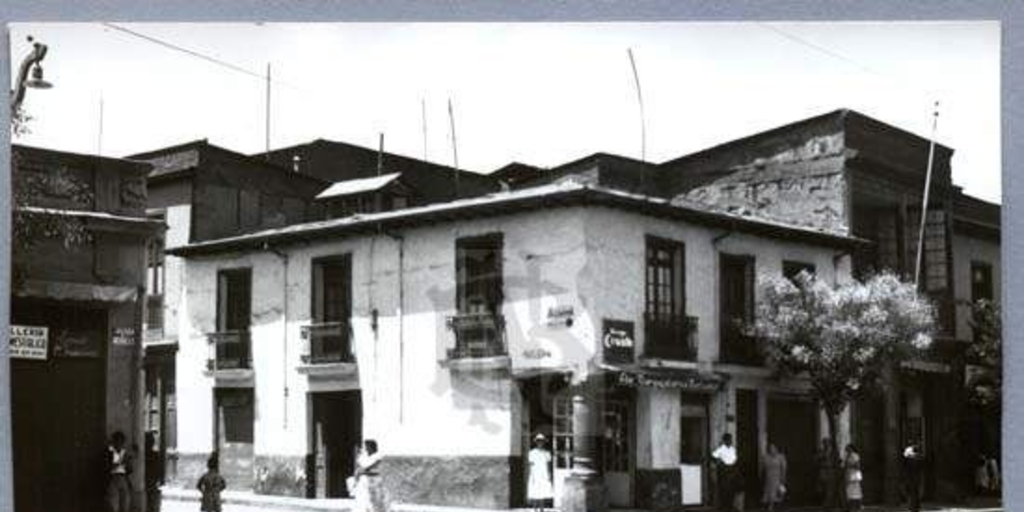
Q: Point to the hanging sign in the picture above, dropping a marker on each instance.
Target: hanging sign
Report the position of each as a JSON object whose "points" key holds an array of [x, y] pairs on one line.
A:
{"points": [[29, 342], [617, 340], [124, 336]]}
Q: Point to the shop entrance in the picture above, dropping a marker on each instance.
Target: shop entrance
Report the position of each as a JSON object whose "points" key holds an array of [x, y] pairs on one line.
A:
{"points": [[536, 417], [615, 445], [793, 427], [336, 433], [58, 409], [233, 424], [694, 432]]}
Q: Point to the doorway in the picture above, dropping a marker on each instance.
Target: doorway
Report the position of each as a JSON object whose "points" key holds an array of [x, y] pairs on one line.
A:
{"points": [[57, 467], [747, 444], [233, 425], [614, 415], [336, 434], [792, 427], [694, 433]]}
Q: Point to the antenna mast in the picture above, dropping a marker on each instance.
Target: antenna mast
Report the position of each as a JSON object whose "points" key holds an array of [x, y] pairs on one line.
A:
{"points": [[455, 149], [640, 101], [267, 115], [423, 116], [380, 155], [924, 201]]}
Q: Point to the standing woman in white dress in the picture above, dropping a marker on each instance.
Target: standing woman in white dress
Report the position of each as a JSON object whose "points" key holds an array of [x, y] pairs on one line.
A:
{"points": [[539, 492], [368, 493]]}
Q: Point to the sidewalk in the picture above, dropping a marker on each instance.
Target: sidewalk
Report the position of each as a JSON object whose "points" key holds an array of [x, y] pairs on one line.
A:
{"points": [[187, 500]]}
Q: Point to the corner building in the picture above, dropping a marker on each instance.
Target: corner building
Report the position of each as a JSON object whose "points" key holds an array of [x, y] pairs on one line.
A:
{"points": [[452, 333]]}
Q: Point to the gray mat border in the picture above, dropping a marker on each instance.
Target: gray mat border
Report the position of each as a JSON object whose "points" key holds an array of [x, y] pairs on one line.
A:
{"points": [[1009, 12]]}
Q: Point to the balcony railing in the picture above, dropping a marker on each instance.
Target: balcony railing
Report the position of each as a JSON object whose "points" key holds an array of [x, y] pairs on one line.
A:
{"points": [[670, 337], [327, 342], [229, 350], [477, 335], [740, 347]]}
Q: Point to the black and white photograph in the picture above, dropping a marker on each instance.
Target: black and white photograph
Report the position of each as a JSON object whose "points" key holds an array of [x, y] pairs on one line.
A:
{"points": [[546, 267]]}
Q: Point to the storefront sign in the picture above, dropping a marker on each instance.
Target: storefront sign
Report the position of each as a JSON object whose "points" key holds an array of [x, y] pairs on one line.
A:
{"points": [[536, 353], [926, 366], [688, 381], [28, 342], [617, 338], [560, 315], [124, 336]]}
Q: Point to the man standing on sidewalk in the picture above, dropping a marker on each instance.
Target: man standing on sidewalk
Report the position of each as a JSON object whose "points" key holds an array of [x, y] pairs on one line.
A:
{"points": [[913, 467]]}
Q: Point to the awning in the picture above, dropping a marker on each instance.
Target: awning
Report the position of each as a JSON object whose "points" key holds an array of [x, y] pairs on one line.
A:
{"points": [[61, 290], [926, 366], [669, 378]]}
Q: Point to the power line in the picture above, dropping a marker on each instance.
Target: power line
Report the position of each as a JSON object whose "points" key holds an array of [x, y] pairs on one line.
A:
{"points": [[199, 55], [838, 56]]}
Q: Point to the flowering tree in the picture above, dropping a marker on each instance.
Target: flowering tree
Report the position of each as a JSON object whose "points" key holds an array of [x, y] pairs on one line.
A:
{"points": [[840, 337]]}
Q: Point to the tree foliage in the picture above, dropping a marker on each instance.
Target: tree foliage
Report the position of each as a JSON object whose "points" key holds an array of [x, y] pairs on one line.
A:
{"points": [[840, 336], [31, 223], [986, 354]]}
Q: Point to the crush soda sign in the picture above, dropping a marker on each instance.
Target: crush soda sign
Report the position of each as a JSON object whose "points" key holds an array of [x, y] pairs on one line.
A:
{"points": [[618, 341], [28, 342]]}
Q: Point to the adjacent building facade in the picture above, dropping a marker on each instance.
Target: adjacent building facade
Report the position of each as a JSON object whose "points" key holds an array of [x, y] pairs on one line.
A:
{"points": [[76, 323], [419, 306]]}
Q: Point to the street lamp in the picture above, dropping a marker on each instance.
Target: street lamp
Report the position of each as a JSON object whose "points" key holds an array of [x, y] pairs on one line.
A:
{"points": [[32, 63]]}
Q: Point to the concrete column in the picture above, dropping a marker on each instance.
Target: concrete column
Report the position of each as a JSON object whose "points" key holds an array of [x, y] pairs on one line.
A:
{"points": [[893, 449], [584, 488]]}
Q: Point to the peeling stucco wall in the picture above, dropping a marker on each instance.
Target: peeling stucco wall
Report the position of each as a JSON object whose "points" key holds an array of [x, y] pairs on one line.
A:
{"points": [[804, 185]]}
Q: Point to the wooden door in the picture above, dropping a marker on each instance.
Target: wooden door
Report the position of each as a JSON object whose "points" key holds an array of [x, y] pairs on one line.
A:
{"points": [[792, 427], [747, 446]]}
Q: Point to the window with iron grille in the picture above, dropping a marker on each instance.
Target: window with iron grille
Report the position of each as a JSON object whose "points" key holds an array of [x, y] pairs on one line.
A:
{"points": [[155, 280], [478, 274], [981, 281], [792, 269], [329, 335], [667, 329]]}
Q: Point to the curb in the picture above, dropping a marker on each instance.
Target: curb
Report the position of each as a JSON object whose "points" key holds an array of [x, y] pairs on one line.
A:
{"points": [[261, 500]]}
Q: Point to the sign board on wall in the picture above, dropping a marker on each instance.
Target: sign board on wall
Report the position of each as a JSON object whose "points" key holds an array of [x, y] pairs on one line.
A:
{"points": [[617, 341], [123, 336], [29, 341]]}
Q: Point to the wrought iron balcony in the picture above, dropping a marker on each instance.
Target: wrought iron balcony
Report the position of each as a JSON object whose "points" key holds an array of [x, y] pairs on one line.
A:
{"points": [[327, 342], [738, 346], [670, 337], [477, 335], [229, 350]]}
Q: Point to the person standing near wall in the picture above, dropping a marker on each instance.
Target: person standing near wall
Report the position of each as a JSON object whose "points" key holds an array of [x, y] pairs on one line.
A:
{"points": [[369, 493], [913, 467], [726, 470], [853, 478], [118, 468], [539, 492], [773, 471]]}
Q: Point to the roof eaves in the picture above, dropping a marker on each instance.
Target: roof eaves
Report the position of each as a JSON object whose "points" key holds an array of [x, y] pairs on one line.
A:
{"points": [[557, 196]]}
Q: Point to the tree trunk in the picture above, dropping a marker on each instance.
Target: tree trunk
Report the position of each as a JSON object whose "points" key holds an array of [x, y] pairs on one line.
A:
{"points": [[832, 414]]}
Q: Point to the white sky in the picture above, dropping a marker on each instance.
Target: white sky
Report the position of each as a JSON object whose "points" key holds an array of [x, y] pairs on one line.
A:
{"points": [[542, 94]]}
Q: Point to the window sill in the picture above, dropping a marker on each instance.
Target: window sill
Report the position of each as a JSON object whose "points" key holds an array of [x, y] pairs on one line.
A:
{"points": [[234, 377], [475, 364], [338, 369]]}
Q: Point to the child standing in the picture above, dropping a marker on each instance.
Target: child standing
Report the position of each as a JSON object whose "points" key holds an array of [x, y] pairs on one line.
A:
{"points": [[210, 485]]}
